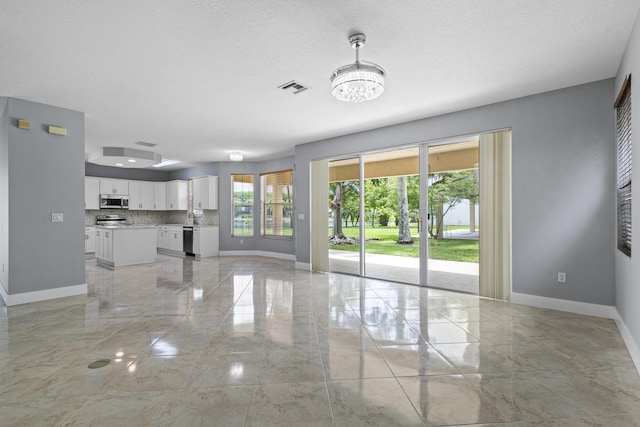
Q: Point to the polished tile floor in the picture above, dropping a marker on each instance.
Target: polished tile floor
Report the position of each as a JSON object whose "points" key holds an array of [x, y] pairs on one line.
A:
{"points": [[252, 341]]}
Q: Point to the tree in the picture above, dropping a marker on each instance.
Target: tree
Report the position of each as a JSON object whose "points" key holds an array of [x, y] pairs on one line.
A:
{"points": [[338, 192], [404, 232], [448, 188]]}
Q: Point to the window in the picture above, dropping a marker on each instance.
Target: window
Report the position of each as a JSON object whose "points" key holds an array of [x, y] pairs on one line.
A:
{"points": [[623, 142], [277, 204], [242, 188]]}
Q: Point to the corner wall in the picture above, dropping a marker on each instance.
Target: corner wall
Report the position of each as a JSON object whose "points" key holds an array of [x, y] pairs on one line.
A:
{"points": [[46, 175], [563, 158], [4, 196], [628, 269]]}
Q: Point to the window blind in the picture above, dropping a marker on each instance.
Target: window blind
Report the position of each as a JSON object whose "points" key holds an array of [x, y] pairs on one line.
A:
{"points": [[277, 204], [623, 143]]}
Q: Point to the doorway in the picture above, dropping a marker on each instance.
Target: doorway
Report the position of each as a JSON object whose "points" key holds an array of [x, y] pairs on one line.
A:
{"points": [[434, 189]]}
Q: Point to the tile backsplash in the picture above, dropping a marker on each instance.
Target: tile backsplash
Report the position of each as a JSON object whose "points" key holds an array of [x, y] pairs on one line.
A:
{"points": [[209, 217]]}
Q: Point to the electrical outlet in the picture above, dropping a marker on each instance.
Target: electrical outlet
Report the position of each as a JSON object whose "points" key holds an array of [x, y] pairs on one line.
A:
{"points": [[562, 277], [57, 217], [241, 241]]}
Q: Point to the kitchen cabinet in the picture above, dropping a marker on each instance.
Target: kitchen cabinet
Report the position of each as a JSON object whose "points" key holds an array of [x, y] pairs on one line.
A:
{"points": [[170, 238], [159, 196], [141, 195], [205, 192], [104, 243], [114, 186], [175, 239], [205, 241], [177, 197], [91, 192], [128, 245], [89, 240]]}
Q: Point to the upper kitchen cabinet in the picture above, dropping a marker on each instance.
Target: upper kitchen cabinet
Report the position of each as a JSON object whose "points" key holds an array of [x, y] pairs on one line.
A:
{"points": [[141, 195], [205, 192], [177, 196], [91, 192], [160, 196], [114, 186]]}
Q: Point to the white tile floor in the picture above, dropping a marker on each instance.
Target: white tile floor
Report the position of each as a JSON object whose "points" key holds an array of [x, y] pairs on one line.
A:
{"points": [[252, 341]]}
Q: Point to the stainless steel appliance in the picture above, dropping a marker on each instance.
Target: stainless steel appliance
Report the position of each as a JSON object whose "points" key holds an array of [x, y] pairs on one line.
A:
{"points": [[114, 201], [111, 220], [187, 240]]}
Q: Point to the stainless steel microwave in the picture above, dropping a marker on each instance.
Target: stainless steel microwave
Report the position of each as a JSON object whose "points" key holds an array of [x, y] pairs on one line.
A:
{"points": [[114, 201]]}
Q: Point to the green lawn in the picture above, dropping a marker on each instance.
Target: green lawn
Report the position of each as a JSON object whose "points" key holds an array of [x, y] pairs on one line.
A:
{"points": [[445, 249]]}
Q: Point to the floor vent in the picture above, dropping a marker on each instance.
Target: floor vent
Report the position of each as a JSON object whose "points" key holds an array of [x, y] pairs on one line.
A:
{"points": [[146, 144], [294, 87]]}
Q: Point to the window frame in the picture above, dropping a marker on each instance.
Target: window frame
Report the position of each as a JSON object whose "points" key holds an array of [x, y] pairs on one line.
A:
{"points": [[624, 171], [264, 206], [235, 205]]}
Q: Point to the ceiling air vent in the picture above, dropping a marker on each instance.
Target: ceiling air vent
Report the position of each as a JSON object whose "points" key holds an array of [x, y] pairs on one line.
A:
{"points": [[294, 87], [146, 144]]}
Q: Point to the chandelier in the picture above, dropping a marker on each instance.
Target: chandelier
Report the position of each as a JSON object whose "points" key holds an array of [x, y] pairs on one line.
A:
{"points": [[360, 81]]}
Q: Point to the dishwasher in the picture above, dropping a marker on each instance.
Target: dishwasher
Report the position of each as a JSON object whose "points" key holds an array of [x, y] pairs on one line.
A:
{"points": [[187, 240]]}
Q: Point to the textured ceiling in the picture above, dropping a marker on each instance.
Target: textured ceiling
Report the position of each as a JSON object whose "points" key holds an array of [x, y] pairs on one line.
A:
{"points": [[200, 78]]}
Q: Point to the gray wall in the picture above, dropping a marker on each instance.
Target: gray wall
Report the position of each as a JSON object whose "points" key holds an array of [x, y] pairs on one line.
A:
{"points": [[257, 242], [4, 194], [46, 175], [91, 169], [628, 269], [563, 203]]}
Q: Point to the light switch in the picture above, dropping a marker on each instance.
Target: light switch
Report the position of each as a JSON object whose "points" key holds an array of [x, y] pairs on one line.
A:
{"points": [[56, 217], [300, 217]]}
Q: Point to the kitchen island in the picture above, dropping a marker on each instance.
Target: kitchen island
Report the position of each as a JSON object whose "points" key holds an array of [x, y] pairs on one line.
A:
{"points": [[120, 245]]}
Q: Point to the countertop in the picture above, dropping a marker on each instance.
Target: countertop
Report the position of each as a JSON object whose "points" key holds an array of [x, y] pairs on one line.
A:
{"points": [[126, 227]]}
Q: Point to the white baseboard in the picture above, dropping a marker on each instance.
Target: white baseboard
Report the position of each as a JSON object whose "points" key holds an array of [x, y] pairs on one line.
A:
{"points": [[47, 294], [606, 311], [267, 254], [596, 310], [303, 266], [632, 346]]}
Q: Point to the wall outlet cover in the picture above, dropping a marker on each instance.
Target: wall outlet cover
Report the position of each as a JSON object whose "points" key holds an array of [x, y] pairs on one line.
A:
{"points": [[57, 217], [562, 277]]}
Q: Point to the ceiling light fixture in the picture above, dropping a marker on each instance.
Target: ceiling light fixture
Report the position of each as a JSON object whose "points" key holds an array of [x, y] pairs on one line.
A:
{"points": [[236, 156], [166, 162], [360, 81]]}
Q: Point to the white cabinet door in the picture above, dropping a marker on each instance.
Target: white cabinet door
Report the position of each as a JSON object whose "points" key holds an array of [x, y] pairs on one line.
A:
{"points": [[89, 240], [135, 196], [147, 195], [175, 239], [141, 195], [99, 244], [114, 186], [160, 196], [205, 192], [107, 248], [165, 238], [177, 196], [91, 193], [196, 241]]}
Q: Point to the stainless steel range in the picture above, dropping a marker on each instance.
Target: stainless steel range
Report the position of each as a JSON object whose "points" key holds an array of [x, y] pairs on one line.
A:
{"points": [[111, 220]]}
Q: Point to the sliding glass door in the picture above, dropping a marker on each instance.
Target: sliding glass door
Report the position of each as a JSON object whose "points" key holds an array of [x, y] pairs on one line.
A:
{"points": [[409, 215]]}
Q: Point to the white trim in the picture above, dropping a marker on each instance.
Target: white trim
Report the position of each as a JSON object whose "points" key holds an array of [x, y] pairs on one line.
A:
{"points": [[597, 310], [47, 294], [267, 254], [303, 266], [632, 346]]}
